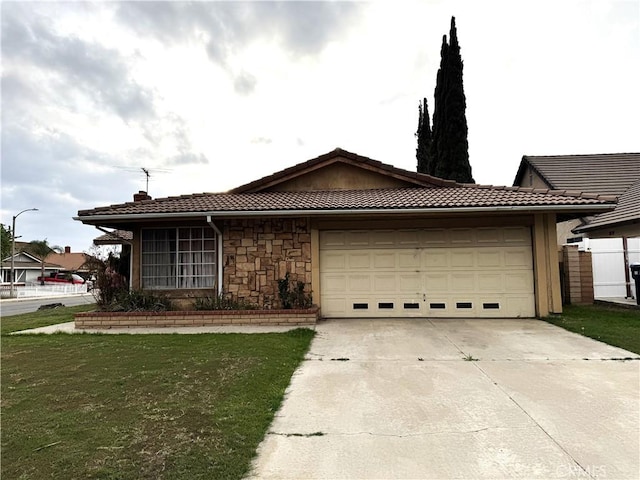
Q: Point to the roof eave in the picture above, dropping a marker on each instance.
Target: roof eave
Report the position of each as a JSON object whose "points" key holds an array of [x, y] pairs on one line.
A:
{"points": [[581, 209]]}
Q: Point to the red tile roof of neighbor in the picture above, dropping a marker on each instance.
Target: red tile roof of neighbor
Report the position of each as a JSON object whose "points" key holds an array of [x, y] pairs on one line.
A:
{"points": [[429, 193], [68, 261]]}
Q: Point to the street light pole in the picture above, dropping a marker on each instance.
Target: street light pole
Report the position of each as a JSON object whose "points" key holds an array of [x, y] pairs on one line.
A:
{"points": [[13, 248]]}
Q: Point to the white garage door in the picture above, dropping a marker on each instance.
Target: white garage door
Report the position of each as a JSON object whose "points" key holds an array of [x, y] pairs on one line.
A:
{"points": [[457, 272]]}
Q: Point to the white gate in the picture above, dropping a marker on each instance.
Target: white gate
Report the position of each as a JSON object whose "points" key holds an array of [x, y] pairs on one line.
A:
{"points": [[607, 256]]}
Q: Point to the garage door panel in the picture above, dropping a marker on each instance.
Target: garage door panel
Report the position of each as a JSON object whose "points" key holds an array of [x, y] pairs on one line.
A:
{"points": [[490, 258], [385, 283], [463, 282], [409, 259], [359, 283], [462, 236], [408, 238], [463, 272], [518, 257], [518, 282], [409, 283], [384, 260], [489, 236], [357, 261], [332, 283], [491, 282], [435, 258], [334, 261], [332, 239], [463, 258], [517, 235], [358, 238], [437, 237], [436, 282]]}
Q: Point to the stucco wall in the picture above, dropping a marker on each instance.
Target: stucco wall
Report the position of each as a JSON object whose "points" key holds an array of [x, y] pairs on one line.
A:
{"points": [[257, 253], [339, 177]]}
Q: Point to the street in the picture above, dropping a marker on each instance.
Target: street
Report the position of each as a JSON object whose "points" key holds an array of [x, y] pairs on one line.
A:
{"points": [[16, 307]]}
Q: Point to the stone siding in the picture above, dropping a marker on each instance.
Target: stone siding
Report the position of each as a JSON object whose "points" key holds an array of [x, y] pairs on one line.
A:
{"points": [[107, 320], [259, 252]]}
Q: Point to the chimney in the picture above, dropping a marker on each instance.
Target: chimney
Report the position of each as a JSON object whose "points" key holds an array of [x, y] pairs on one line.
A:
{"points": [[140, 196], [67, 249]]}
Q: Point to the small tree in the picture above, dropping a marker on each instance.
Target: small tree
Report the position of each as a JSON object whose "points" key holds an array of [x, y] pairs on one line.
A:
{"points": [[42, 249], [5, 234]]}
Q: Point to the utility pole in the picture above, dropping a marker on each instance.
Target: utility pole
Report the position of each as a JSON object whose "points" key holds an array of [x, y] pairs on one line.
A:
{"points": [[13, 249]]}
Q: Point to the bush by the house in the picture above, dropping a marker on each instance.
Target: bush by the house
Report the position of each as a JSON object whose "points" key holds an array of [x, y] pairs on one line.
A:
{"points": [[292, 295]]}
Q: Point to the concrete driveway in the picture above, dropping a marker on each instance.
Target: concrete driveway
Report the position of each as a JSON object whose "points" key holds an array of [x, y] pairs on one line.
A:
{"points": [[384, 399]]}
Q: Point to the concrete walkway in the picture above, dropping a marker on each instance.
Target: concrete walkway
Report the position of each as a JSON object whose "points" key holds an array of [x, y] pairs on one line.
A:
{"points": [[69, 327], [420, 399]]}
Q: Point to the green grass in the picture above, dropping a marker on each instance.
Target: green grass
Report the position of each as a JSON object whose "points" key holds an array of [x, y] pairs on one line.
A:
{"points": [[616, 326], [140, 406], [41, 318]]}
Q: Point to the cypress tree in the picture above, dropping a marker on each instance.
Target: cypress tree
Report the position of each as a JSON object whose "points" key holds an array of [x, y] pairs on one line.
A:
{"points": [[423, 134], [439, 110], [449, 145]]}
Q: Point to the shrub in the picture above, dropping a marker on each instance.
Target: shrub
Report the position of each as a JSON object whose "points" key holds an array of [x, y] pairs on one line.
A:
{"points": [[292, 295], [138, 301], [222, 302]]}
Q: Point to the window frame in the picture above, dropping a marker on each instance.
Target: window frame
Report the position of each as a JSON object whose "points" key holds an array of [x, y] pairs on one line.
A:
{"points": [[177, 250]]}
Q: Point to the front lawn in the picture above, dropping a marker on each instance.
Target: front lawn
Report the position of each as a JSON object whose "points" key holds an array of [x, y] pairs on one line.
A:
{"points": [[41, 318], [140, 406], [616, 326]]}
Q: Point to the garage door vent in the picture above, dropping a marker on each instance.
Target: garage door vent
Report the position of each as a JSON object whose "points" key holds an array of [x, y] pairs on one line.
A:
{"points": [[464, 305], [411, 306], [491, 306], [360, 306], [385, 305], [438, 306]]}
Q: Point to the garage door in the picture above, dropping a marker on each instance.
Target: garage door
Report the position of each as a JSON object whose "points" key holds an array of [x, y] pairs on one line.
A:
{"points": [[457, 272]]}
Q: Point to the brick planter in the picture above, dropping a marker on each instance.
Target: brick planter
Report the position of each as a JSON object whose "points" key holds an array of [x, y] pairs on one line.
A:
{"points": [[89, 320]]}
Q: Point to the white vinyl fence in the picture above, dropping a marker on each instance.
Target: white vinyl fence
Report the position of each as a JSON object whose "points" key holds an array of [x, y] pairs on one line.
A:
{"points": [[607, 256], [35, 290]]}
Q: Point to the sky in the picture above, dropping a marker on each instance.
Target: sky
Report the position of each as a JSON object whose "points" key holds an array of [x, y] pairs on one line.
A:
{"points": [[208, 96]]}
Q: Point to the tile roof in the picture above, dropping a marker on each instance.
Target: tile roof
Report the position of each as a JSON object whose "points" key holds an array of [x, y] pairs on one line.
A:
{"points": [[68, 261], [607, 174], [460, 196], [117, 237], [627, 211]]}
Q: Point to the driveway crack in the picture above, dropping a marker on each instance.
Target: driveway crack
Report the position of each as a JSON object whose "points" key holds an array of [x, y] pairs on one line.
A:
{"points": [[514, 401]]}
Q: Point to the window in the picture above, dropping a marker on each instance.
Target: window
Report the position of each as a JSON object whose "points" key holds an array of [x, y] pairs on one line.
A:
{"points": [[182, 257]]}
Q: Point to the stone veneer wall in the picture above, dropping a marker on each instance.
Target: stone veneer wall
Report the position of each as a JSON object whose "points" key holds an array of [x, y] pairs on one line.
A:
{"points": [[106, 320], [259, 252]]}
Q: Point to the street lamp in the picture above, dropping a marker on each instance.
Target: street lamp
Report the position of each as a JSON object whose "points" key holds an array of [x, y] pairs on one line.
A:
{"points": [[13, 248]]}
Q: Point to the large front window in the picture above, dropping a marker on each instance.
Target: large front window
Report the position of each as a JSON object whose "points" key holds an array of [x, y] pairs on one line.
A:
{"points": [[183, 257]]}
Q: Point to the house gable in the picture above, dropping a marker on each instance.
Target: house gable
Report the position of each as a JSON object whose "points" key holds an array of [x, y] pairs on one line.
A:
{"points": [[338, 176], [340, 170]]}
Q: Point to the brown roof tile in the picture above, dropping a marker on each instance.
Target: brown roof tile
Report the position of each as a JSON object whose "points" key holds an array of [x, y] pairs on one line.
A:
{"points": [[607, 174], [627, 211], [481, 196]]}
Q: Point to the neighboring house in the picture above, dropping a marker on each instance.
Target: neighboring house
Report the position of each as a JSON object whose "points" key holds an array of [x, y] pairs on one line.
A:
{"points": [[69, 261], [366, 239], [612, 237], [27, 268]]}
